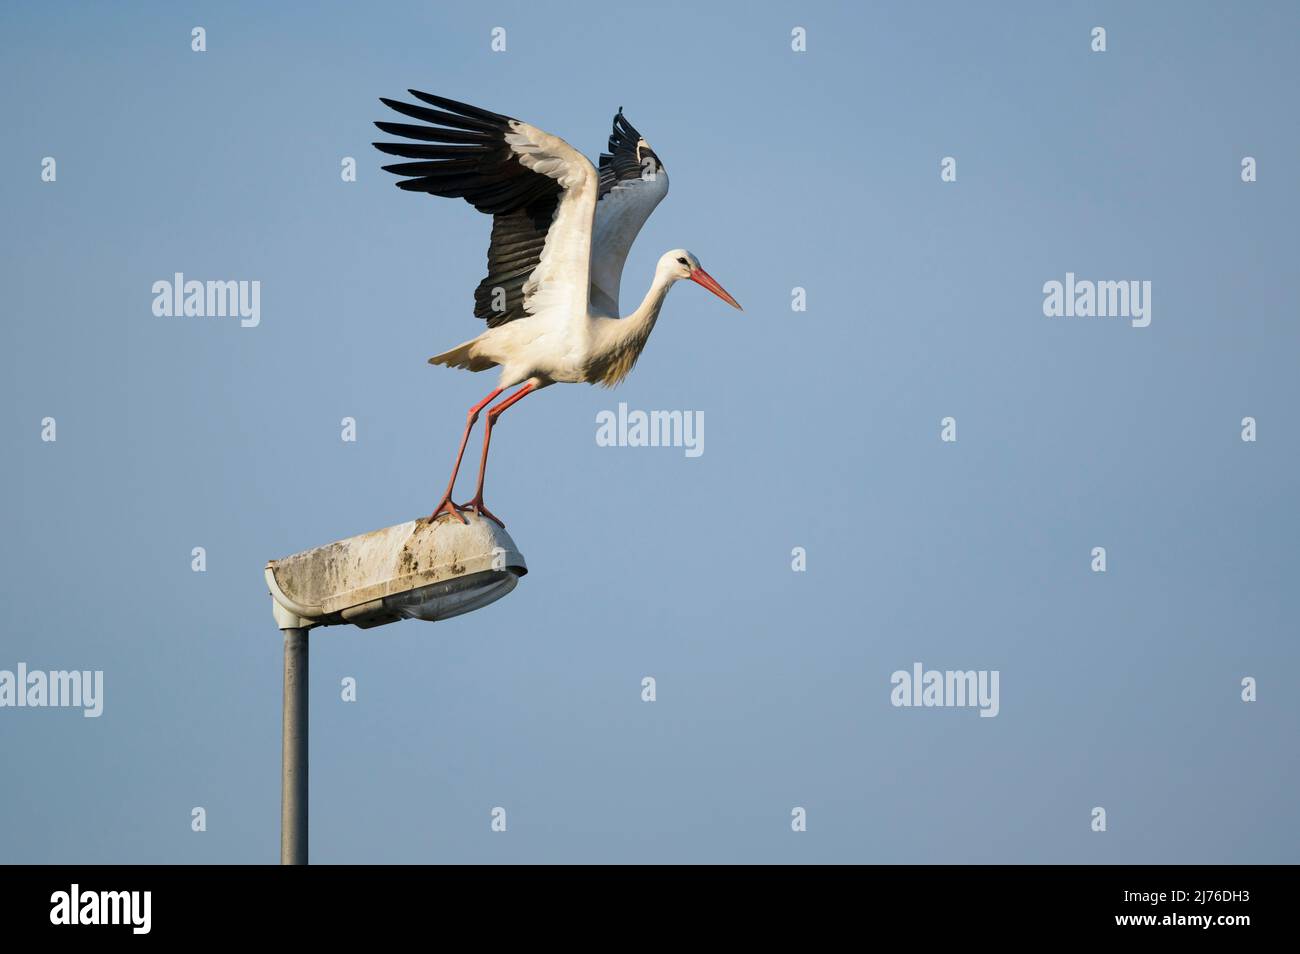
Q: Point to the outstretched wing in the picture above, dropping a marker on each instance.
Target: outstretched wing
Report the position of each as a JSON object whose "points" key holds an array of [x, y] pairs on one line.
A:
{"points": [[632, 183], [539, 190]]}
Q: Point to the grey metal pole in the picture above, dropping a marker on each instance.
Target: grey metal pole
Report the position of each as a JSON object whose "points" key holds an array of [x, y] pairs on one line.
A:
{"points": [[293, 762]]}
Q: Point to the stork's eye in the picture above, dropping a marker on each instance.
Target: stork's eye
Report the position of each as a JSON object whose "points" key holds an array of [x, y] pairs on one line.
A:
{"points": [[682, 261]]}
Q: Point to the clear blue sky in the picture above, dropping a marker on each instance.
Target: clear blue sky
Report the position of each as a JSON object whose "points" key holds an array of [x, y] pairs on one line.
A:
{"points": [[818, 170]]}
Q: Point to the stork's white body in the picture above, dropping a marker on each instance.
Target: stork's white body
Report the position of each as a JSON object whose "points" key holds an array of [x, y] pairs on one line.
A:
{"points": [[560, 345]]}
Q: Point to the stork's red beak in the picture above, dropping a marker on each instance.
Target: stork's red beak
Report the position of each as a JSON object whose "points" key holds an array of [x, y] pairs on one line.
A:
{"points": [[701, 277]]}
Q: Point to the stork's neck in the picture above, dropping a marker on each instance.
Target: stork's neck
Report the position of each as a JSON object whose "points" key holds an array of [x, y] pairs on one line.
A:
{"points": [[633, 330], [624, 338]]}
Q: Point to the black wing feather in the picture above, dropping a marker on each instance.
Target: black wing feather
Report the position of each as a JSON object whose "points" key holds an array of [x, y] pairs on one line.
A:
{"points": [[622, 162], [474, 162]]}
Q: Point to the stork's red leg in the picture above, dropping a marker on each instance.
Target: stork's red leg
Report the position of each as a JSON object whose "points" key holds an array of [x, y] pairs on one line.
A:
{"points": [[477, 503], [446, 506]]}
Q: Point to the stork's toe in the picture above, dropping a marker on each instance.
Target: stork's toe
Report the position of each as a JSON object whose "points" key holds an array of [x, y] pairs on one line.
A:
{"points": [[477, 506]]}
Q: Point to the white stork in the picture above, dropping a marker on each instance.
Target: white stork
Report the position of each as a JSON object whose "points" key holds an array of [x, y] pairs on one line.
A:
{"points": [[561, 232]]}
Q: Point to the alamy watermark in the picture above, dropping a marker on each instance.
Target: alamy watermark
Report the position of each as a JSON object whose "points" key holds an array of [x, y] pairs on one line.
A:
{"points": [[57, 689], [76, 906], [213, 299], [1081, 298], [651, 429], [947, 688]]}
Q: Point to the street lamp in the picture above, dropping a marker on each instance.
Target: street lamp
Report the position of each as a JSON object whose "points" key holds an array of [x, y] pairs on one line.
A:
{"points": [[415, 570]]}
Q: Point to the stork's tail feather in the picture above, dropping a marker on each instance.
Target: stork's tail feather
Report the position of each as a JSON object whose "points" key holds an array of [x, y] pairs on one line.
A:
{"points": [[463, 356]]}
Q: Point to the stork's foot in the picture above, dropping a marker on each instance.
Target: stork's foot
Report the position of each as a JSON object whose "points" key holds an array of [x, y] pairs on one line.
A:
{"points": [[477, 506], [447, 507]]}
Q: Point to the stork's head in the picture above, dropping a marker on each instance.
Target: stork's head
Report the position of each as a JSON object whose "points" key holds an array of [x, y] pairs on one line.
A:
{"points": [[680, 264]]}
